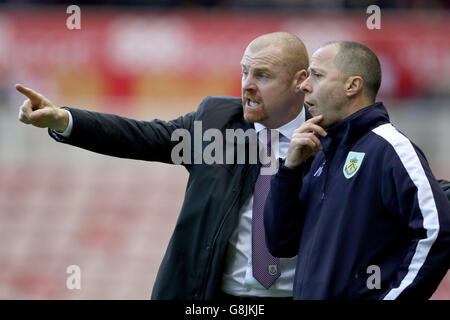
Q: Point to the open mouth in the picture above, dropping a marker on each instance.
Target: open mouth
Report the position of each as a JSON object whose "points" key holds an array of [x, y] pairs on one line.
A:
{"points": [[252, 104]]}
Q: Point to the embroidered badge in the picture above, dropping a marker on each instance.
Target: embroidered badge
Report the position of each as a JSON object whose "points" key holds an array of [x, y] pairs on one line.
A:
{"points": [[273, 269], [353, 163]]}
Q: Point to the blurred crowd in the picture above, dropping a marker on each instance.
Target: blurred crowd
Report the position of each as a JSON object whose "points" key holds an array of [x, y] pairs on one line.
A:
{"points": [[259, 4]]}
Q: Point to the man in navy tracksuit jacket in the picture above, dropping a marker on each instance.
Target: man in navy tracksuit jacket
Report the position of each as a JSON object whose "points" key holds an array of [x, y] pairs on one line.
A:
{"points": [[368, 220]]}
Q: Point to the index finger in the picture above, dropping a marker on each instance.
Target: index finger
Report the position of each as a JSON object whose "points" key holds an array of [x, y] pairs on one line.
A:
{"points": [[316, 119], [310, 126], [318, 130], [31, 94]]}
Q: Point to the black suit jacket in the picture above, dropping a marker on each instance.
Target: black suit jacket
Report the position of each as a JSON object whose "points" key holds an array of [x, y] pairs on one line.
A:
{"points": [[193, 264]]}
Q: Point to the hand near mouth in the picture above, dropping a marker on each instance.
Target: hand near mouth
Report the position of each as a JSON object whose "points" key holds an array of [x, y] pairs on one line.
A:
{"points": [[304, 141]]}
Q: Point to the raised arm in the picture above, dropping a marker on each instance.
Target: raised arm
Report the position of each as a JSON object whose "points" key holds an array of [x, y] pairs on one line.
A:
{"points": [[106, 133], [283, 211]]}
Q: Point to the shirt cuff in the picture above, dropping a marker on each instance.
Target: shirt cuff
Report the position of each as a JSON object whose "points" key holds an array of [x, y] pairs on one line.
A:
{"points": [[68, 130]]}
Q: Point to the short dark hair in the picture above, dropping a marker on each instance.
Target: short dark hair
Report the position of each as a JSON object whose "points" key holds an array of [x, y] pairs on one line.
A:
{"points": [[356, 59]]}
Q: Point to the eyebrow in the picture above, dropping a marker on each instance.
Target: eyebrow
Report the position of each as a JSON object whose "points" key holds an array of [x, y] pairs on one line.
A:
{"points": [[315, 70], [259, 69]]}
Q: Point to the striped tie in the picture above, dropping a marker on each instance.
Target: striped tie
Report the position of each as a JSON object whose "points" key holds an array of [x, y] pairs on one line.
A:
{"points": [[266, 268]]}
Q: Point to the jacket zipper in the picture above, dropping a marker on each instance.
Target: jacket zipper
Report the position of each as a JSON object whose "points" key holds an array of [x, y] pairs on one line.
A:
{"points": [[216, 235]]}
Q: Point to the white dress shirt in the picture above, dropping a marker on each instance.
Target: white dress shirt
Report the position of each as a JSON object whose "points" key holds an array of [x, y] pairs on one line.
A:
{"points": [[238, 277]]}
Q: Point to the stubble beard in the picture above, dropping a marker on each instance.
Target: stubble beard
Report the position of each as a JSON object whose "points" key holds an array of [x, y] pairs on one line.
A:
{"points": [[255, 115]]}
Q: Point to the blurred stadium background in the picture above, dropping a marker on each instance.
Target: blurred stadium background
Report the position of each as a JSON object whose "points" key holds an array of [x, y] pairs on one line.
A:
{"points": [[62, 206]]}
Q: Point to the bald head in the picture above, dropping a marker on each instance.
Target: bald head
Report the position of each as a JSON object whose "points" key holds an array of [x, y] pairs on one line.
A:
{"points": [[273, 67], [292, 50]]}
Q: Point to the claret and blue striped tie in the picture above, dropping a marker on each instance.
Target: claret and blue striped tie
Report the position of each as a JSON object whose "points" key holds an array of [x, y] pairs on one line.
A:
{"points": [[266, 268]]}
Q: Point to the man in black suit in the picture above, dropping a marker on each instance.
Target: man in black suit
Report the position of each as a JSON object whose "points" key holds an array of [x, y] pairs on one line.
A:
{"points": [[210, 252]]}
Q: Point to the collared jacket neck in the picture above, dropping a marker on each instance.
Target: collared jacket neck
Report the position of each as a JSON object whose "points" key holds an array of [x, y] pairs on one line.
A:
{"points": [[345, 132]]}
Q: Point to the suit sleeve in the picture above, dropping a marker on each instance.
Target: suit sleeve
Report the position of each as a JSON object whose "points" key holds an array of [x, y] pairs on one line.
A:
{"points": [[126, 138], [283, 215], [410, 190]]}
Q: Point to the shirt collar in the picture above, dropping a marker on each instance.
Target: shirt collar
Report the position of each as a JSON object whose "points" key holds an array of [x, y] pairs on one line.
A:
{"points": [[287, 129]]}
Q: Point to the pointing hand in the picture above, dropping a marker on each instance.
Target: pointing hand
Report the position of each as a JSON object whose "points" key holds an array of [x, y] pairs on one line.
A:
{"points": [[40, 112]]}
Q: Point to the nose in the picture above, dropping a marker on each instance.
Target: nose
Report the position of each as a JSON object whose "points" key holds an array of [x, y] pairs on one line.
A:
{"points": [[248, 84], [305, 86]]}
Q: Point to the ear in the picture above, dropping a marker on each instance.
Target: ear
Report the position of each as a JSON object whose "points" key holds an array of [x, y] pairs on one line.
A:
{"points": [[299, 77], [353, 86]]}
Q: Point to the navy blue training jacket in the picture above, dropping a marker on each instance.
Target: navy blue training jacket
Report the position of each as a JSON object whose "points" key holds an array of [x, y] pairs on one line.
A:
{"points": [[368, 220]]}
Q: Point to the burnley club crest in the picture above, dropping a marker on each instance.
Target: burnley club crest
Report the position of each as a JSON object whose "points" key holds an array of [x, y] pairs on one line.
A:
{"points": [[353, 163]]}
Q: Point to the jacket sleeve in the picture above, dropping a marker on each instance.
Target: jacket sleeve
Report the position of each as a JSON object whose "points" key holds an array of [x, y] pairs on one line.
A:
{"points": [[283, 214], [410, 191], [126, 138]]}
